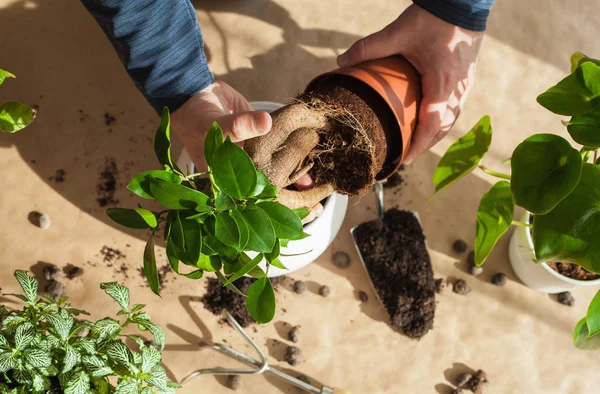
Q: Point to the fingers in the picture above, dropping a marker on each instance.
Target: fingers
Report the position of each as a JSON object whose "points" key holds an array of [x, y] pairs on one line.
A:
{"points": [[304, 182], [315, 212], [245, 125], [375, 46]]}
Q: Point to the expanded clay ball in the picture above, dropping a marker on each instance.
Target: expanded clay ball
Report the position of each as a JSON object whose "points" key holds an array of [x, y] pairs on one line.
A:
{"points": [[299, 287], [324, 291], [341, 259], [234, 382], [459, 246], [294, 334], [461, 287]]}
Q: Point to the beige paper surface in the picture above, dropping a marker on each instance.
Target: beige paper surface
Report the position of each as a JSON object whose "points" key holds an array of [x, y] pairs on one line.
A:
{"points": [[269, 50]]}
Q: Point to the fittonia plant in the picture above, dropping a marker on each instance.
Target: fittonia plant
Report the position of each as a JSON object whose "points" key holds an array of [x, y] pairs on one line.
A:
{"points": [[212, 220]]}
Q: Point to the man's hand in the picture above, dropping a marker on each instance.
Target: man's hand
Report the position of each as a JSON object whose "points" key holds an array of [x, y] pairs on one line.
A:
{"points": [[445, 56], [221, 103]]}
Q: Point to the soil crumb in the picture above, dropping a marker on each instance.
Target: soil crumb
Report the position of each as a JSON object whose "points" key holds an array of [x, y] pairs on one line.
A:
{"points": [[110, 255], [109, 119], [219, 299], [58, 177], [573, 271], [163, 273], [107, 184], [398, 263], [394, 181], [72, 271]]}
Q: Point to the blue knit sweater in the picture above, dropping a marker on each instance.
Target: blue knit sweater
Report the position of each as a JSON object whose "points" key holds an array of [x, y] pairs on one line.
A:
{"points": [[161, 46]]}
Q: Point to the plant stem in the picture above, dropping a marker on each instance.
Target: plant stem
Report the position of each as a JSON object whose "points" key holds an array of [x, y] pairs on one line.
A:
{"points": [[595, 156], [196, 174], [517, 223], [494, 173]]}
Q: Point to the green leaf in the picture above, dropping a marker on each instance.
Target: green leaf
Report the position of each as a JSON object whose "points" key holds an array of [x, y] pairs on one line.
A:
{"points": [[277, 263], [494, 218], [593, 315], [545, 169], [78, 384], [242, 227], [119, 354], [569, 233], [5, 74], [233, 171], [175, 196], [261, 234], [158, 333], [162, 140], [585, 129], [286, 223], [581, 338], [260, 300], [105, 329], [72, 358], [126, 387], [576, 58], [118, 293], [245, 269], [224, 202], [158, 378], [24, 335], [173, 256], [274, 254], [213, 140], [28, 284], [226, 230], [576, 94], [62, 323], [264, 188], [132, 218], [150, 269], [96, 366], [40, 383], [197, 274], [150, 357], [193, 242], [302, 212], [464, 155], [137, 307], [231, 286], [19, 296], [140, 184], [177, 236], [14, 116], [8, 361], [38, 358]]}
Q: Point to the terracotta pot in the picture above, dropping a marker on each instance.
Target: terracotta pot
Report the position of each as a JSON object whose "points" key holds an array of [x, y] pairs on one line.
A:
{"points": [[399, 84]]}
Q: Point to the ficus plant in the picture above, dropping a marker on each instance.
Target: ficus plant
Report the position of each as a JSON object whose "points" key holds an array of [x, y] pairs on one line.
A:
{"points": [[225, 220], [46, 348], [14, 115], [557, 183]]}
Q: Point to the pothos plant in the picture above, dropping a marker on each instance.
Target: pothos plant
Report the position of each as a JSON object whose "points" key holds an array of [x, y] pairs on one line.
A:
{"points": [[557, 183], [44, 348], [213, 219], [14, 115]]}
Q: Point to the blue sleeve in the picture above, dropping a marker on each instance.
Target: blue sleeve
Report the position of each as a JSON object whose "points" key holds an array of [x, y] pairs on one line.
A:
{"points": [[160, 45], [468, 14]]}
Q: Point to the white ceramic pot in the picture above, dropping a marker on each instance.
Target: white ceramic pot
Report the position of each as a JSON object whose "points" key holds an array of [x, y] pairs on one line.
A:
{"points": [[538, 276], [322, 230]]}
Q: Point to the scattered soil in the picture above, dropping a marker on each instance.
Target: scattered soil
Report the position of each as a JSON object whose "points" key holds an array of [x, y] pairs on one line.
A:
{"points": [[58, 177], [299, 287], [499, 279], [478, 382], [459, 246], [234, 382], [163, 273], [398, 263], [573, 271], [345, 157], [461, 287], [73, 271], [443, 286], [109, 119], [565, 298], [293, 355], [107, 184], [55, 288], [50, 271], [219, 298], [362, 296], [457, 390], [110, 255], [294, 334], [83, 116], [341, 259], [324, 291], [394, 181]]}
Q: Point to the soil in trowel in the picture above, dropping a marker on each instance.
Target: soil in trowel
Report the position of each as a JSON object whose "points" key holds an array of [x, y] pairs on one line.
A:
{"points": [[398, 263]]}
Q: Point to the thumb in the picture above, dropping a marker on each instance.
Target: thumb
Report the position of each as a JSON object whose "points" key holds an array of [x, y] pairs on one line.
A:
{"points": [[375, 46], [245, 125]]}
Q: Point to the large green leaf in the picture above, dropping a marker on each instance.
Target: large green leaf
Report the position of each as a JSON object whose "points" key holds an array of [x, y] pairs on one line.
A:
{"points": [[105, 329], [494, 217], [227, 231], [140, 184], [576, 94], [14, 116], [578, 58], [569, 233], [78, 384], [224, 203], [233, 170], [150, 357], [464, 155], [117, 292], [249, 266], [264, 188], [286, 223], [582, 339], [585, 129], [176, 234], [150, 269], [138, 218], [24, 335], [261, 234], [5, 74], [28, 284], [175, 196], [260, 300], [545, 169], [242, 228], [213, 140], [162, 140], [193, 242], [593, 315]]}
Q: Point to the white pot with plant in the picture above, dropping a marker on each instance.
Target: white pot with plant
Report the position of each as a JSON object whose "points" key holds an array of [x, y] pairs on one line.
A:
{"points": [[556, 246]]}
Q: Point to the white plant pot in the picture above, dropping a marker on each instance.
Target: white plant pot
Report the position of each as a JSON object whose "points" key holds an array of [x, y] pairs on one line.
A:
{"points": [[322, 230], [538, 276]]}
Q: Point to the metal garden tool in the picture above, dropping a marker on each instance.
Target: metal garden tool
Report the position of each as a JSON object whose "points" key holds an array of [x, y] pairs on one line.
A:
{"points": [[256, 366]]}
